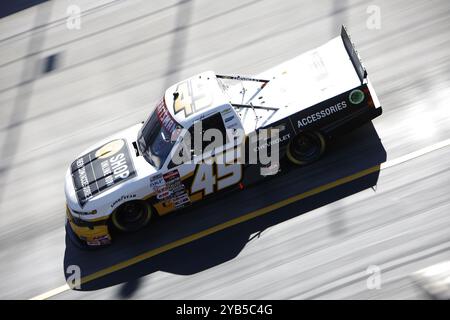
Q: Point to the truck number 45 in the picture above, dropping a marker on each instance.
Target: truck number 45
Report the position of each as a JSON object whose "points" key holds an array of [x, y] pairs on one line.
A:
{"points": [[209, 178], [191, 97]]}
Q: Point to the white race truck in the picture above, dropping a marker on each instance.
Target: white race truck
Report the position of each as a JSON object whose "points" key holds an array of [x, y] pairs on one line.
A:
{"points": [[122, 181]]}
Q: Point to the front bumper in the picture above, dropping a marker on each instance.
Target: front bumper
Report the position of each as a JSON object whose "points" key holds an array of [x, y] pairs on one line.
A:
{"points": [[87, 234]]}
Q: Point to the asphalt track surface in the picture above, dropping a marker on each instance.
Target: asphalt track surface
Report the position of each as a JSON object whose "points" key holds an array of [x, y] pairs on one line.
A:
{"points": [[110, 73]]}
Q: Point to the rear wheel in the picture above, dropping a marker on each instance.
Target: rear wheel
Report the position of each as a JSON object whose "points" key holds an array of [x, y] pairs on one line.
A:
{"points": [[132, 216], [306, 148]]}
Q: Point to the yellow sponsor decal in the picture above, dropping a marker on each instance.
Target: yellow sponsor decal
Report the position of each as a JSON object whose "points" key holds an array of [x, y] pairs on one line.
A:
{"points": [[109, 149]]}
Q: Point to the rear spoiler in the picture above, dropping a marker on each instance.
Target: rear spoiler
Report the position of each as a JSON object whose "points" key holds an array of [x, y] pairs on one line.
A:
{"points": [[353, 54]]}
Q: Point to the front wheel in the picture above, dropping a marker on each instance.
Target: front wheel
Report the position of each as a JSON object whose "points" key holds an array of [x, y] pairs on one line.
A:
{"points": [[306, 148], [132, 216]]}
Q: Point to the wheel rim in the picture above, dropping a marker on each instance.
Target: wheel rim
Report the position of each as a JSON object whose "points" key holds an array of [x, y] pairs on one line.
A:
{"points": [[132, 212], [305, 147], [131, 216]]}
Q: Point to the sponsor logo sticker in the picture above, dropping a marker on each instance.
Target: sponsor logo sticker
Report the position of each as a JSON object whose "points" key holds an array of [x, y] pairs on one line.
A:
{"points": [[122, 198], [101, 169], [356, 96], [109, 149]]}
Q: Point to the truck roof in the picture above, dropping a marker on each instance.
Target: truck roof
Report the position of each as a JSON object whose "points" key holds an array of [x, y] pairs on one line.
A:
{"points": [[195, 97]]}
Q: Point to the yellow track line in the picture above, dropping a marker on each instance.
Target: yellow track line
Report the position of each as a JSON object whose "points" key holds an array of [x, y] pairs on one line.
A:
{"points": [[243, 218]]}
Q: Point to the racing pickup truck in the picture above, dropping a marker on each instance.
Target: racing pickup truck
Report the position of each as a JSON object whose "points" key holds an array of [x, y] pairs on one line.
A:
{"points": [[123, 181]]}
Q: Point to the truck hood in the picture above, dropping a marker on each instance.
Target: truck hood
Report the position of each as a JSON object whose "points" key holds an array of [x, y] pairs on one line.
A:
{"points": [[105, 165]]}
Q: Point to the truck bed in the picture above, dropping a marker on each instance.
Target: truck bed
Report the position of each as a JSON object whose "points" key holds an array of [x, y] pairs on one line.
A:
{"points": [[297, 84], [311, 77]]}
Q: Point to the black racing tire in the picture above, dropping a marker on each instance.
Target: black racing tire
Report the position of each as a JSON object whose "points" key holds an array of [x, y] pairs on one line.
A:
{"points": [[306, 147], [132, 216]]}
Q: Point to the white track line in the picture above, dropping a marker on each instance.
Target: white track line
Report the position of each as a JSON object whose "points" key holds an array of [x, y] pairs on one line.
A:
{"points": [[52, 293], [415, 154], [385, 165]]}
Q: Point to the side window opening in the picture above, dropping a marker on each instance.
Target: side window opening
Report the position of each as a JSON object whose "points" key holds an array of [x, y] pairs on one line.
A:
{"points": [[213, 122]]}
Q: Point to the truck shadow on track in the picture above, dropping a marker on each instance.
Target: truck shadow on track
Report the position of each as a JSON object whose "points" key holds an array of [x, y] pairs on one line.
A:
{"points": [[343, 159], [10, 7]]}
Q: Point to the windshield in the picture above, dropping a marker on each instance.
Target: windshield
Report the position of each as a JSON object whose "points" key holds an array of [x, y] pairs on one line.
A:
{"points": [[156, 137]]}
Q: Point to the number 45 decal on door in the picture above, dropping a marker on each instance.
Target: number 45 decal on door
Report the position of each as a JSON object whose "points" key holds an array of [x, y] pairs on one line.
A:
{"points": [[209, 178]]}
